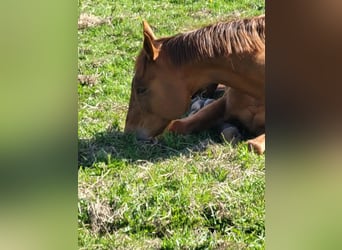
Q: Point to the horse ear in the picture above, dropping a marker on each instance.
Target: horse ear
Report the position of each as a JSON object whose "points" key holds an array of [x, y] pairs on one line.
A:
{"points": [[151, 46], [147, 29]]}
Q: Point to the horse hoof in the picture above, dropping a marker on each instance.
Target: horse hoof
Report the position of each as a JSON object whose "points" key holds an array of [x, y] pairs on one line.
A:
{"points": [[196, 106], [231, 134], [208, 101]]}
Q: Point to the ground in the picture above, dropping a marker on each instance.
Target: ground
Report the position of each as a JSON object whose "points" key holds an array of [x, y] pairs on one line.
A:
{"points": [[186, 192]]}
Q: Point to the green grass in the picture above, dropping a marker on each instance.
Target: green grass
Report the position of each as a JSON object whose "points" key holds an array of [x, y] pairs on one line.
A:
{"points": [[186, 192]]}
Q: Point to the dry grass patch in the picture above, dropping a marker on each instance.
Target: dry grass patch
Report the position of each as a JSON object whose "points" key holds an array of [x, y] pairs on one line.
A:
{"points": [[88, 20], [89, 80]]}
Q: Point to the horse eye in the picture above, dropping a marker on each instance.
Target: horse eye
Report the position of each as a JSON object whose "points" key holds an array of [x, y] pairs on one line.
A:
{"points": [[141, 90]]}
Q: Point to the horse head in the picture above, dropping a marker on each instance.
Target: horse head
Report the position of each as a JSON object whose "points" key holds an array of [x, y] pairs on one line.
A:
{"points": [[157, 93]]}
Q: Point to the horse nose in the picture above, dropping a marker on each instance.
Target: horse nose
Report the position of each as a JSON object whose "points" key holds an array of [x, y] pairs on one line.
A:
{"points": [[142, 135], [139, 133]]}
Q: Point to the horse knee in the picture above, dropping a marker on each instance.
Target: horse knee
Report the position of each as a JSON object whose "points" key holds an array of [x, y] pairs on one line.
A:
{"points": [[177, 126]]}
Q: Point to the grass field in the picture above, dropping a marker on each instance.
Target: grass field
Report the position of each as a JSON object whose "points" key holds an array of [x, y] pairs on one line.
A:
{"points": [[186, 192]]}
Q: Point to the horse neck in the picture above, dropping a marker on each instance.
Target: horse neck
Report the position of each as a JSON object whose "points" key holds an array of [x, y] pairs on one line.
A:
{"points": [[221, 70]]}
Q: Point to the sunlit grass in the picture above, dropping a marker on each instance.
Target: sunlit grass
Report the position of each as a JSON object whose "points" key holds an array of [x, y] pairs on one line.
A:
{"points": [[186, 192]]}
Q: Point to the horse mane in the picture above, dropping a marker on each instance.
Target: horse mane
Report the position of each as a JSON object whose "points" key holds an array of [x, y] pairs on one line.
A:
{"points": [[220, 39]]}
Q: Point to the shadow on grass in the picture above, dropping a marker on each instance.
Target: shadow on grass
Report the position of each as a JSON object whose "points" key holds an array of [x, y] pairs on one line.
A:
{"points": [[111, 145]]}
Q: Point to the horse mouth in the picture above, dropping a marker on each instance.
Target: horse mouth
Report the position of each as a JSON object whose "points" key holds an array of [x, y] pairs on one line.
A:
{"points": [[146, 139], [150, 140], [143, 137]]}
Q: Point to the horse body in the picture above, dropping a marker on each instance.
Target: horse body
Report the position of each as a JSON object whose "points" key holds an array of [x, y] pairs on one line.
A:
{"points": [[170, 70]]}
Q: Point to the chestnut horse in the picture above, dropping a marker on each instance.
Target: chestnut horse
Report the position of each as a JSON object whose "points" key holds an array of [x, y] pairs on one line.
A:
{"points": [[170, 70]]}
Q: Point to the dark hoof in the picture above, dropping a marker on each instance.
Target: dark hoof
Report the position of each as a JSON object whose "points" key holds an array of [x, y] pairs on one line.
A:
{"points": [[231, 134]]}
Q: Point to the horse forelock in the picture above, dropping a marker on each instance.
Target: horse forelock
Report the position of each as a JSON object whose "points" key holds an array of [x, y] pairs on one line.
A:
{"points": [[220, 39]]}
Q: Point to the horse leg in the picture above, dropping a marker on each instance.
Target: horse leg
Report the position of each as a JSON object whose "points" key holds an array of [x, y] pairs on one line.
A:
{"points": [[233, 104], [209, 116], [251, 113]]}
